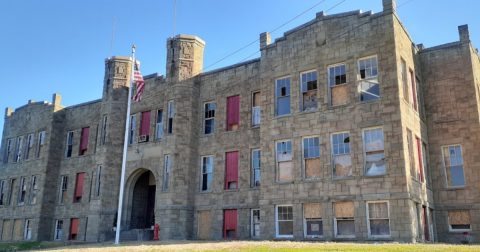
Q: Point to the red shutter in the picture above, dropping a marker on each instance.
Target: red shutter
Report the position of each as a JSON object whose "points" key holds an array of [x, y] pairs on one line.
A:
{"points": [[73, 227], [85, 132], [229, 222], [231, 174], [79, 186], [233, 111], [145, 128], [419, 154], [412, 77]]}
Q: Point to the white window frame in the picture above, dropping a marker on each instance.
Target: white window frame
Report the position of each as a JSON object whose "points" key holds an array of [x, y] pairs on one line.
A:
{"points": [[202, 173], [166, 173], [27, 234], [276, 160], [365, 154], [63, 183], [69, 144], [333, 153], [33, 189], [55, 235], [405, 82], [208, 119], [330, 86], [304, 158], [458, 230], [23, 188], [40, 143], [7, 151], [10, 191], [18, 149], [278, 97], [253, 184], [104, 131], [415, 212], [302, 109], [359, 78], [335, 226], [253, 223], [159, 124], [256, 112], [445, 167], [28, 148], [132, 126], [170, 115], [368, 219], [310, 219], [99, 181], [277, 222]]}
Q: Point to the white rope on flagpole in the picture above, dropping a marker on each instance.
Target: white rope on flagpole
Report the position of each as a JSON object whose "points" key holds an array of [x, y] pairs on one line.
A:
{"points": [[113, 33], [125, 145], [174, 18]]}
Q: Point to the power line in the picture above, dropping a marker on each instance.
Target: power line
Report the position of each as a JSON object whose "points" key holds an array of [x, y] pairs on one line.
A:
{"points": [[404, 4]]}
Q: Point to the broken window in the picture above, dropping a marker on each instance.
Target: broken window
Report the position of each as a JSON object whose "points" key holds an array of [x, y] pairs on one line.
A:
{"points": [[18, 152], [27, 235], [166, 173], [406, 93], [341, 158], [374, 154], [63, 190], [209, 113], [34, 190], [453, 164], [282, 96], [7, 151], [40, 143], [79, 188], [344, 223], [2, 192], [29, 146], [411, 157], [312, 220], [230, 224], [309, 91], [233, 113], [131, 133], [311, 157], [104, 131], [256, 108], [414, 95], [256, 168], [207, 169], [144, 127], [58, 230], [459, 220], [337, 79], [99, 181], [255, 224], [231, 173], [84, 141], [159, 123], [284, 161], [23, 191], [419, 156], [284, 221], [170, 117], [378, 219], [368, 86], [68, 152]]}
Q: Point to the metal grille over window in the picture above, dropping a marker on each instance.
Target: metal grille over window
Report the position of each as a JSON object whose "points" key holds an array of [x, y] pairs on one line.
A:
{"points": [[337, 79], [282, 96], [284, 161], [256, 109], [378, 217], [209, 127], [256, 168], [344, 219], [312, 213], [342, 160], [309, 91], [368, 86], [453, 163], [374, 152], [207, 169], [284, 221], [311, 157]]}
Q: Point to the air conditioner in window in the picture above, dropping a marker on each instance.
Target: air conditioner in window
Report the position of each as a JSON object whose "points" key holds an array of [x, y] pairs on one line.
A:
{"points": [[143, 138]]}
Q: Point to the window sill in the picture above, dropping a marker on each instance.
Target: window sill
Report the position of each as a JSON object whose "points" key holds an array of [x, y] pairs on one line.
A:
{"points": [[202, 192], [254, 188], [255, 127], [339, 106], [418, 181], [308, 111], [345, 239], [455, 188], [373, 238], [375, 176], [207, 135], [231, 190], [232, 131], [342, 178], [282, 116], [370, 101], [285, 182], [312, 180], [459, 231], [279, 238], [310, 238]]}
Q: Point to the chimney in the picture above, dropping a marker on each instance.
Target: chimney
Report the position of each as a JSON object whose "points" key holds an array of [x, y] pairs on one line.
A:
{"points": [[464, 33], [184, 57], [56, 99], [31, 101], [389, 5], [8, 112], [265, 40]]}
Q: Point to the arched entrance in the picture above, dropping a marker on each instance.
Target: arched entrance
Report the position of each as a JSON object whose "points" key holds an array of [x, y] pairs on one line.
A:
{"points": [[139, 200]]}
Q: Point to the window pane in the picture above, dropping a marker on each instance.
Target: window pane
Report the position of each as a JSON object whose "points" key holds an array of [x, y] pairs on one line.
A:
{"points": [[285, 172], [315, 227], [345, 227], [285, 227], [456, 177], [209, 126], [283, 106], [375, 164], [342, 165], [370, 90], [379, 227], [378, 210]]}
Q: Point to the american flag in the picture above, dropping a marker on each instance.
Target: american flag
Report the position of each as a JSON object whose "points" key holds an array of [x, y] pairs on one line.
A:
{"points": [[138, 79]]}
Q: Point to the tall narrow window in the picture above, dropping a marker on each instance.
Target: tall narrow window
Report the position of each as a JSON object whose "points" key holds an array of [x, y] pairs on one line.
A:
{"points": [[282, 96], [341, 158], [33, 190], [284, 221], [425, 163], [99, 181], [79, 188], [22, 192], [311, 157], [284, 161], [255, 223], [368, 79], [29, 148], [406, 94], [256, 168], [104, 131], [2, 192], [309, 91], [233, 112], [411, 157], [414, 95], [131, 133], [421, 108], [415, 213], [170, 117], [7, 151], [144, 127], [378, 219], [374, 154], [230, 224], [419, 156], [159, 123], [337, 82], [27, 235], [84, 141], [312, 220], [453, 164], [69, 148], [63, 190], [10, 192], [344, 223], [58, 230], [209, 117], [207, 170], [166, 173], [425, 222], [74, 229], [18, 151], [231, 173], [256, 108], [40, 143], [459, 221]]}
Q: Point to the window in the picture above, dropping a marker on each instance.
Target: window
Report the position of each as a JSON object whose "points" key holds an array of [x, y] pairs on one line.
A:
{"points": [[79, 188], [312, 220], [2, 192], [40, 143], [282, 96], [415, 213], [255, 223], [404, 81], [231, 172], [421, 110], [230, 224], [104, 131], [18, 151], [204, 224], [459, 221], [99, 181], [28, 150], [159, 123], [311, 157], [170, 117], [207, 169], [209, 117], [74, 229], [411, 157], [425, 222], [22, 192], [63, 190], [368, 79], [131, 134], [166, 173], [144, 127], [256, 109], [453, 164], [337, 80], [84, 141], [374, 154], [309, 91], [344, 223], [10, 192], [424, 156], [284, 223], [233, 113], [34, 190], [27, 235], [256, 168], [341, 158], [414, 95], [7, 151], [58, 230], [68, 152], [378, 216], [420, 159], [284, 161]]}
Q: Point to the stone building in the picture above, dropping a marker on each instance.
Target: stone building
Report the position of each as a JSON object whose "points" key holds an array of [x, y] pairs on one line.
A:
{"points": [[343, 130]]}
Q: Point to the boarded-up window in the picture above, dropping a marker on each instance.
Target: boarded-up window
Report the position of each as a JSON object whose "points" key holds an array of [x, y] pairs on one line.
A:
{"points": [[204, 222], [284, 161], [312, 214], [74, 229], [256, 109], [145, 126], [233, 113], [284, 221], [231, 173], [378, 219], [368, 86], [84, 141], [230, 224], [17, 230], [374, 154], [344, 219], [309, 91], [79, 188], [341, 158], [337, 79], [459, 220], [7, 230], [453, 164], [311, 157]]}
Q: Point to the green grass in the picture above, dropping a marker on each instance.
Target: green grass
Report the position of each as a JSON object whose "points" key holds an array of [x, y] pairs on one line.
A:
{"points": [[19, 246]]}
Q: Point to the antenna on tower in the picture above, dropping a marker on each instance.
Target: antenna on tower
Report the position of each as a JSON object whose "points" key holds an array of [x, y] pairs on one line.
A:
{"points": [[174, 18], [113, 33]]}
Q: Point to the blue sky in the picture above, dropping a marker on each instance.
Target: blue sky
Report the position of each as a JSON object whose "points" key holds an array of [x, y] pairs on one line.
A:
{"points": [[60, 46]]}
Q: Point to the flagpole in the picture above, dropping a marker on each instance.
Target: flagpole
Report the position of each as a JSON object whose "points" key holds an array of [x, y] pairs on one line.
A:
{"points": [[125, 145]]}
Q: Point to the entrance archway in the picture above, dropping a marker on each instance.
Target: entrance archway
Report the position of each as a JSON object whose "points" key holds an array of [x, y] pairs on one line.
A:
{"points": [[140, 200]]}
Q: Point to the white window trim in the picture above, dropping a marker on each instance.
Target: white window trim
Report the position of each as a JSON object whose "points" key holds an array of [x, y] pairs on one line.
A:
{"points": [[301, 91], [201, 173], [7, 151], [276, 161], [305, 224], [62, 179], [22, 185], [56, 230], [445, 167], [170, 103], [205, 119], [457, 230], [18, 149], [168, 162], [98, 182], [332, 155], [328, 82], [303, 156], [40, 143], [255, 107], [252, 226], [33, 183], [131, 130], [276, 222], [364, 151], [335, 228], [366, 79], [66, 146], [252, 185], [276, 98], [368, 220], [157, 124], [29, 146], [27, 230]]}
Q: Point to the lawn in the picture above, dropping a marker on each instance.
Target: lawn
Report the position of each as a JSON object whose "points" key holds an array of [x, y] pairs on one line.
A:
{"points": [[241, 246]]}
